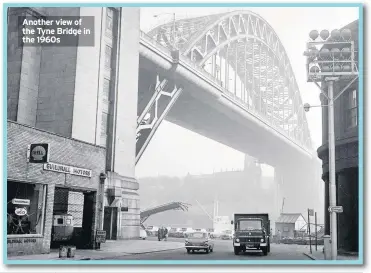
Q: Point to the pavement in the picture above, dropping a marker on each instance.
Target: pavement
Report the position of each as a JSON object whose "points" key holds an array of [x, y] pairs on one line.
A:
{"points": [[109, 250], [319, 255]]}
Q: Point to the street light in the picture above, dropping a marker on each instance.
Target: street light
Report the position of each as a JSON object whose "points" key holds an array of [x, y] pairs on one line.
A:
{"points": [[174, 36], [334, 61], [307, 106]]}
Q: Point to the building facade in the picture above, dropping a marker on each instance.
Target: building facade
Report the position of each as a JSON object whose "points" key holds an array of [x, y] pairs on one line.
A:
{"points": [[69, 183], [86, 94], [290, 225], [346, 155]]}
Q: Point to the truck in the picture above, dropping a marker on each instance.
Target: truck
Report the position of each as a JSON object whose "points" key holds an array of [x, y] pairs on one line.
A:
{"points": [[251, 232]]}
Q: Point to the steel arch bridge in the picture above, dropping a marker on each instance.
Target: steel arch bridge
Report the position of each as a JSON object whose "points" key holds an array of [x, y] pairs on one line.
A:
{"points": [[244, 54]]}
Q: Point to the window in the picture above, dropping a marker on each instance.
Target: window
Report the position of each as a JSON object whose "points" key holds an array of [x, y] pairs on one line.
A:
{"points": [[108, 55], [25, 208], [352, 109], [109, 21], [104, 124], [285, 229], [105, 95]]}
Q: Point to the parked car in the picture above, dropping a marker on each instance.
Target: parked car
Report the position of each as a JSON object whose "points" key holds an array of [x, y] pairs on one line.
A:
{"points": [[198, 240], [173, 232], [183, 231], [152, 231], [226, 235], [143, 234]]}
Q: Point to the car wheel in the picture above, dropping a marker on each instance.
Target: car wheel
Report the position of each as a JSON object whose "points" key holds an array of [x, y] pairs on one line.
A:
{"points": [[211, 249], [188, 251], [265, 251], [207, 250], [236, 250]]}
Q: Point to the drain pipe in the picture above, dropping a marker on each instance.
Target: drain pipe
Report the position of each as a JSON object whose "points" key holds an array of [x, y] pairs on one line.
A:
{"points": [[102, 179]]}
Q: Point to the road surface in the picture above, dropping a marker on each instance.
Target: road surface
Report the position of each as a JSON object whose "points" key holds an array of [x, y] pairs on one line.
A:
{"points": [[223, 250]]}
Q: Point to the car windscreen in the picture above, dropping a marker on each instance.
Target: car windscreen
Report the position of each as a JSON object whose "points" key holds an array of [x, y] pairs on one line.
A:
{"points": [[249, 224], [197, 235]]}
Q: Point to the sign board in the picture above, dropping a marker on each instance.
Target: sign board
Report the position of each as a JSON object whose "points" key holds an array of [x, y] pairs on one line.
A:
{"points": [[20, 211], [54, 167], [100, 236], [38, 153], [24, 202], [310, 212], [337, 209]]}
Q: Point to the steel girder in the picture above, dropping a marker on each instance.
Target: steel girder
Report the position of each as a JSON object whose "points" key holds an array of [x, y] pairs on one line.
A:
{"points": [[144, 215], [165, 94], [246, 46]]}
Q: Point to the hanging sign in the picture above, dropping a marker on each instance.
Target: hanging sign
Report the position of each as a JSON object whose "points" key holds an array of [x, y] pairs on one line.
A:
{"points": [[20, 211], [24, 202], [38, 153]]}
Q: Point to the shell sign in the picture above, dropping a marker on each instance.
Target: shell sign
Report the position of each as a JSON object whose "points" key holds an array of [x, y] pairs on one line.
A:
{"points": [[38, 153], [20, 211]]}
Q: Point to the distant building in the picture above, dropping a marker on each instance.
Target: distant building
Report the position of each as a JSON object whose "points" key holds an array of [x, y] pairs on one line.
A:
{"points": [[222, 223], [290, 225]]}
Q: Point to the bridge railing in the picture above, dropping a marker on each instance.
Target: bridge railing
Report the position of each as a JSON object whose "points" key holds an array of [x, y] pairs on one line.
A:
{"points": [[184, 59], [218, 84]]}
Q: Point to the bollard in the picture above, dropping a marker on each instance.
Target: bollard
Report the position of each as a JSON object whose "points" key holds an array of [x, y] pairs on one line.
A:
{"points": [[327, 247], [71, 251], [62, 252]]}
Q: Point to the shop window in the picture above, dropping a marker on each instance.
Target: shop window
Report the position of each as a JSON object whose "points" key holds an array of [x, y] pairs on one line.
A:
{"points": [[352, 109], [25, 208]]}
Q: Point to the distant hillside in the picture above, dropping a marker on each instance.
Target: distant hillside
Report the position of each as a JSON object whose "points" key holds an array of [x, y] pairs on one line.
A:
{"points": [[236, 192]]}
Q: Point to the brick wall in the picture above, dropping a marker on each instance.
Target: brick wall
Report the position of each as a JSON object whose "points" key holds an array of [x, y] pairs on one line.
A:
{"points": [[63, 151]]}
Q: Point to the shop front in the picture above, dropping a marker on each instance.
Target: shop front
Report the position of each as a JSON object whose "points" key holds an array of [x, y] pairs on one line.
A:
{"points": [[53, 188]]}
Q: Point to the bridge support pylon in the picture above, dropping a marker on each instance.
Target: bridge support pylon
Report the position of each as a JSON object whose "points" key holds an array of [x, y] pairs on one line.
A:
{"points": [[165, 93]]}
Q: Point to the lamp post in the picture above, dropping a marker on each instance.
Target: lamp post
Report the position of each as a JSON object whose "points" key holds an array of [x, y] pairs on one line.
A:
{"points": [[329, 66], [174, 33]]}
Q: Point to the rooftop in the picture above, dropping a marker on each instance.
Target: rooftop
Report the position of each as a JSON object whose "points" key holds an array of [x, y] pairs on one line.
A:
{"points": [[289, 218]]}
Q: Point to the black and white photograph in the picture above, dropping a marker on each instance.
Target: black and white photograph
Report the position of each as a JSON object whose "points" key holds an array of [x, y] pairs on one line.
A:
{"points": [[180, 134]]}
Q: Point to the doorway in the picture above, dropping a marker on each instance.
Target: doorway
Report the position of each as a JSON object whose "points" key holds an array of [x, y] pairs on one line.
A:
{"points": [[110, 223], [73, 218]]}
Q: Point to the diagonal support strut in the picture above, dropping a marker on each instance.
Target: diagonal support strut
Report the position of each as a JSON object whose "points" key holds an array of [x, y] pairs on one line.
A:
{"points": [[146, 131]]}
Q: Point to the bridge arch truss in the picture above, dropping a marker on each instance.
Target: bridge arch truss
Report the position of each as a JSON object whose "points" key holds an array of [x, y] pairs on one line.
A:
{"points": [[245, 55]]}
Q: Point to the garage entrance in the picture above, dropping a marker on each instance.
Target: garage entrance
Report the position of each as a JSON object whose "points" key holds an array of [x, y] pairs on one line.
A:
{"points": [[73, 218]]}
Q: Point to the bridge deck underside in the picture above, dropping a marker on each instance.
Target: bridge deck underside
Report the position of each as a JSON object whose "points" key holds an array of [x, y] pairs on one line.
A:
{"points": [[199, 111]]}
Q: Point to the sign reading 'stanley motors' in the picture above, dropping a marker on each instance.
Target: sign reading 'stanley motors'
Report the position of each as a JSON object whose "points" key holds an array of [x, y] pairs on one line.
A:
{"points": [[54, 167], [38, 153]]}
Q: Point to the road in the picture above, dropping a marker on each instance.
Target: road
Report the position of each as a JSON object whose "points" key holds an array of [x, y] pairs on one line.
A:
{"points": [[223, 250]]}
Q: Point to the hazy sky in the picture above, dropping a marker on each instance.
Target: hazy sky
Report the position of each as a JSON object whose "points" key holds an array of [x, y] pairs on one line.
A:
{"points": [[177, 151]]}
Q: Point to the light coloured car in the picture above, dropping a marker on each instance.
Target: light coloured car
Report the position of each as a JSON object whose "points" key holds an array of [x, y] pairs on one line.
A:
{"points": [[198, 240], [226, 235], [152, 230], [143, 234]]}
